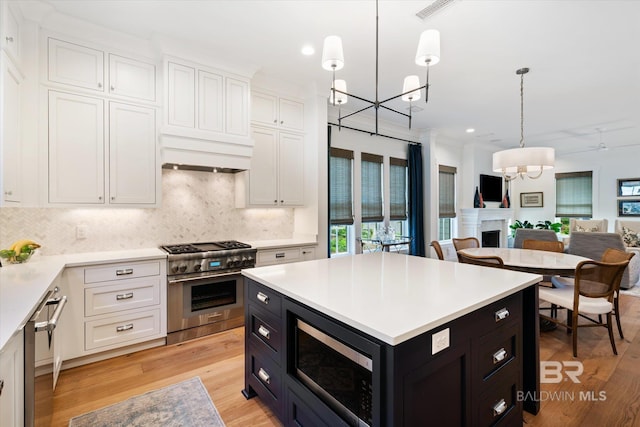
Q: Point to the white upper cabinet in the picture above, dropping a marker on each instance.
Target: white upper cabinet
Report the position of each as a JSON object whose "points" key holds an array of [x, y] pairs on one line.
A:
{"points": [[131, 78], [263, 174], [76, 149], [290, 169], [11, 144], [10, 31], [76, 65], [181, 95], [132, 160], [280, 112], [205, 99]]}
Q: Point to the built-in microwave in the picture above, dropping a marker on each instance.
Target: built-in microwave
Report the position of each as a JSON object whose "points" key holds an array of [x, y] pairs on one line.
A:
{"points": [[341, 376]]}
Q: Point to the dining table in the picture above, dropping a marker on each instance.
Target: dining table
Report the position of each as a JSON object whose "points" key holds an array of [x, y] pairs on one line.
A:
{"points": [[532, 260]]}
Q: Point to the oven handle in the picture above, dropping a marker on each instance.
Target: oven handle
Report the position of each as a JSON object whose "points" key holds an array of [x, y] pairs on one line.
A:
{"points": [[212, 276]]}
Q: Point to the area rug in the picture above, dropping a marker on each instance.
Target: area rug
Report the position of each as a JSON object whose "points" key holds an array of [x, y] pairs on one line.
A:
{"points": [[185, 404]]}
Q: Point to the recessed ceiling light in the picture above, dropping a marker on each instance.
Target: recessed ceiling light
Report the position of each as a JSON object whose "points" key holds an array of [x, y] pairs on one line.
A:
{"points": [[308, 50], [470, 130]]}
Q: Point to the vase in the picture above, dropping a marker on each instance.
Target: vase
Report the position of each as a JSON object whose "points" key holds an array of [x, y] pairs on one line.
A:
{"points": [[476, 199]]}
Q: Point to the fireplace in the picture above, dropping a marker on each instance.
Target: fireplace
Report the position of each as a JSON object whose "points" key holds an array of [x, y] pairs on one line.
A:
{"points": [[490, 239], [475, 222]]}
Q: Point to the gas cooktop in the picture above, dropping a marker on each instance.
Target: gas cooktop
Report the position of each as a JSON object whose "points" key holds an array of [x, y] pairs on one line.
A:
{"points": [[192, 248]]}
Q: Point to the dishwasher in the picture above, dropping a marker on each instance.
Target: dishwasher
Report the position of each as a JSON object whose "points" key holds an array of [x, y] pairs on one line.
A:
{"points": [[38, 391]]}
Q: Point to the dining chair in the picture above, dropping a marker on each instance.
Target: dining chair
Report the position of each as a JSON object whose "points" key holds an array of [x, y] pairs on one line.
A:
{"points": [[484, 260], [592, 293], [543, 245], [610, 256], [436, 247], [465, 243], [523, 234]]}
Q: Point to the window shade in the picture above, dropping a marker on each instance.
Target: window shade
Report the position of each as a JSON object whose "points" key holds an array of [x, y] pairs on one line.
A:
{"points": [[340, 190], [371, 171], [447, 192], [574, 194], [398, 184]]}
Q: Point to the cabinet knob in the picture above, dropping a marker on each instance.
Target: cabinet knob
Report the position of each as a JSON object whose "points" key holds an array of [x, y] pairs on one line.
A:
{"points": [[8, 193], [99, 197], [275, 201], [275, 120], [99, 84], [9, 39], [281, 201], [281, 121], [113, 87], [113, 197]]}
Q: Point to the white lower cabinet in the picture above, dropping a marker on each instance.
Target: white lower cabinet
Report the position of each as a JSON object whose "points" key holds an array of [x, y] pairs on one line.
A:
{"points": [[78, 169], [285, 255], [115, 305], [12, 382], [276, 176]]}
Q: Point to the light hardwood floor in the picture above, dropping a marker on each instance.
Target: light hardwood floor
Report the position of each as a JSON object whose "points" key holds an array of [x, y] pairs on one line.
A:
{"points": [[218, 360]]}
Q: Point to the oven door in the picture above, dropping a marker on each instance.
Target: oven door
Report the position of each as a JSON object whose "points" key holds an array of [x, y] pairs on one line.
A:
{"points": [[200, 301]]}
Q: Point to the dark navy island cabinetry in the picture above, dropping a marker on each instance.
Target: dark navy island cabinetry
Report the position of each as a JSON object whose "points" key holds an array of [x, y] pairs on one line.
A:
{"points": [[313, 370]]}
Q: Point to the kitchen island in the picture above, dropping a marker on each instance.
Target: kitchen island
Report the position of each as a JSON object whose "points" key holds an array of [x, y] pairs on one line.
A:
{"points": [[447, 343]]}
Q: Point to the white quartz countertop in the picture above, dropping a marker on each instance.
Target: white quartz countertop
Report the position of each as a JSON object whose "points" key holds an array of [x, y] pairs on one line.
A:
{"points": [[22, 286], [392, 297], [281, 243]]}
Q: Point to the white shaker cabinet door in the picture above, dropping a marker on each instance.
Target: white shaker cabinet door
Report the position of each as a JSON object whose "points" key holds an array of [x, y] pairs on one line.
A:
{"points": [[131, 78], [210, 101], [264, 168], [291, 114], [264, 108], [12, 380], [10, 31], [11, 144], [237, 107], [291, 169], [76, 149], [76, 65], [181, 95], [132, 154]]}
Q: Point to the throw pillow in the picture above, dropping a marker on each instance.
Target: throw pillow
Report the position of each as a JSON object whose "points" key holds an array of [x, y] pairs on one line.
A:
{"points": [[589, 229], [630, 237]]}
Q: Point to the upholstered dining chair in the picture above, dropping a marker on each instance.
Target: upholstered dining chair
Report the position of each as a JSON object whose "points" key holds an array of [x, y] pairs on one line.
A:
{"points": [[436, 247], [465, 243], [592, 293], [485, 260], [543, 245], [610, 256]]}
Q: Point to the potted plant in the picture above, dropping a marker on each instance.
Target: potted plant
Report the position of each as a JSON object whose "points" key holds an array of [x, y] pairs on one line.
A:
{"points": [[548, 225], [519, 224]]}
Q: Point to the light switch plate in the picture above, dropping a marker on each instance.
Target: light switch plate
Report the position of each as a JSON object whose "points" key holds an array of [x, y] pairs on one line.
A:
{"points": [[439, 341], [81, 232]]}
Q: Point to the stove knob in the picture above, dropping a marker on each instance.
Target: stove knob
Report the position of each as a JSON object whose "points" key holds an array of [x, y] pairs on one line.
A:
{"points": [[197, 267], [234, 262], [174, 269], [182, 268]]}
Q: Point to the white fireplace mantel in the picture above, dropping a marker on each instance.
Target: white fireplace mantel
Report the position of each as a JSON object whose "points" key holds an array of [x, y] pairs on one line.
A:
{"points": [[474, 221]]}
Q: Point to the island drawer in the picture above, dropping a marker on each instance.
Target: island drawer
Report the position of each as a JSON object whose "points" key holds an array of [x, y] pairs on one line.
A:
{"points": [[497, 405], [263, 297], [265, 330], [495, 351], [265, 379], [121, 271], [120, 296], [500, 313], [305, 409], [122, 329]]}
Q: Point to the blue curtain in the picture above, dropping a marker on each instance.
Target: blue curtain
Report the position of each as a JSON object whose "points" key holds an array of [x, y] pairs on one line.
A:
{"points": [[416, 207]]}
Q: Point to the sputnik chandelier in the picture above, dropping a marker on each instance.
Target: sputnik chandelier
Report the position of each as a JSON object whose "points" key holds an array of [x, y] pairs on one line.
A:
{"points": [[428, 54]]}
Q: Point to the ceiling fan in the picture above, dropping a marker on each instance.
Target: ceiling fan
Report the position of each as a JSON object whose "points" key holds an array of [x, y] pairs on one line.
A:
{"points": [[602, 146]]}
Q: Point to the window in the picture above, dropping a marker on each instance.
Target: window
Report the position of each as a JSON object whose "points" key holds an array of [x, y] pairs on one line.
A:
{"points": [[446, 201], [340, 199], [371, 172], [574, 195], [398, 189]]}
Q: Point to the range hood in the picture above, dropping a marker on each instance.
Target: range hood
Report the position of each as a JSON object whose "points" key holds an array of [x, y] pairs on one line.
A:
{"points": [[197, 150]]}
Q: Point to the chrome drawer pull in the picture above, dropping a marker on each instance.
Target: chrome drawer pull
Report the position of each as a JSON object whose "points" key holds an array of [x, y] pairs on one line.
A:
{"points": [[124, 272], [264, 376], [501, 314], [499, 408], [264, 332], [124, 328], [263, 298], [128, 295], [499, 356]]}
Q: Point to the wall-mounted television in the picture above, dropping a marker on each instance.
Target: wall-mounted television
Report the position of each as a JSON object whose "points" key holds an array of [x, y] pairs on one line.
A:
{"points": [[491, 188]]}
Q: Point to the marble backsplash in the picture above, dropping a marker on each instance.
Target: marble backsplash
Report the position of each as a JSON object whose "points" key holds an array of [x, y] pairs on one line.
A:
{"points": [[196, 206]]}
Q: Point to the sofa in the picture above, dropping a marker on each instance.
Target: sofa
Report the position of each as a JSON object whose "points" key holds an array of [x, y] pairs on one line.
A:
{"points": [[599, 225], [593, 244]]}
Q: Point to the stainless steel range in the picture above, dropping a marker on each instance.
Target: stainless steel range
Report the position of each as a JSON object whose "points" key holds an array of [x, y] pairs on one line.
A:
{"points": [[205, 291]]}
